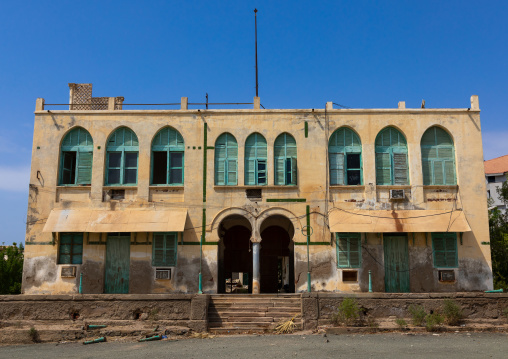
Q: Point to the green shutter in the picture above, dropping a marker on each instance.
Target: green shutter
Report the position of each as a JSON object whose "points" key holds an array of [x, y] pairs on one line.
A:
{"points": [[438, 159], [171, 243], [250, 172], [84, 168], [348, 250], [220, 165], [158, 249], [255, 154], [294, 172], [444, 246], [232, 169], [280, 171], [336, 168], [383, 169], [400, 169]]}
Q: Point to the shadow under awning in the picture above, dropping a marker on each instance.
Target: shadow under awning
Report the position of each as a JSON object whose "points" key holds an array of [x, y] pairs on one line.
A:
{"points": [[128, 220], [382, 221]]}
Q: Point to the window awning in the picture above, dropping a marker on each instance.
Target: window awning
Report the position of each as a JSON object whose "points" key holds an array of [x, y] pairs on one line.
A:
{"points": [[382, 221], [128, 220]]}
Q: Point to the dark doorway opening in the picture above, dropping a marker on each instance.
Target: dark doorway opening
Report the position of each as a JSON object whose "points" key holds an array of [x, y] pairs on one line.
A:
{"points": [[235, 260], [276, 265]]}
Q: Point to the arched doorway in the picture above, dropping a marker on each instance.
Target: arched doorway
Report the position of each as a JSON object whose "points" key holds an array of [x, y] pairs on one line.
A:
{"points": [[235, 255], [276, 256]]}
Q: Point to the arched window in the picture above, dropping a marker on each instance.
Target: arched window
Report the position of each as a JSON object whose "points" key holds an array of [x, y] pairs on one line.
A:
{"points": [[122, 158], [345, 154], [76, 154], [391, 158], [438, 157], [226, 160], [285, 160], [255, 160], [167, 157]]}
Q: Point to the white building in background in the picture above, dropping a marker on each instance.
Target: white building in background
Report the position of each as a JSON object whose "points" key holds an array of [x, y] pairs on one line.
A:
{"points": [[495, 174]]}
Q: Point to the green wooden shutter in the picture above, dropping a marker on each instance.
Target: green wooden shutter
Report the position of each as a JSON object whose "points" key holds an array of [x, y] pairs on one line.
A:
{"points": [[354, 251], [220, 165], [77, 248], [232, 168], [449, 171], [84, 168], [65, 249], [445, 250], [438, 170], [170, 249], [250, 172], [336, 168], [280, 170], [383, 169], [294, 172], [158, 249], [400, 169]]}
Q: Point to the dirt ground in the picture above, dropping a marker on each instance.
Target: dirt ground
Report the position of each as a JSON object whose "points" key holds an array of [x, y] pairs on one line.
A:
{"points": [[302, 345]]}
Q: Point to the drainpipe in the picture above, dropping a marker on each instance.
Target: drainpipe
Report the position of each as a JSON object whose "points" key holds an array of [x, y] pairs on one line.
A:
{"points": [[81, 283], [203, 224], [308, 243]]}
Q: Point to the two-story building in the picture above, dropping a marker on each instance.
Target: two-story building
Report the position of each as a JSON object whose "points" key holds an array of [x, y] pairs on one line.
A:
{"points": [[286, 200]]}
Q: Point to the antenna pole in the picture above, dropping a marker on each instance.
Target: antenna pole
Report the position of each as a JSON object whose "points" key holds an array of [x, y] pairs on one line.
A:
{"points": [[256, 35], [207, 100]]}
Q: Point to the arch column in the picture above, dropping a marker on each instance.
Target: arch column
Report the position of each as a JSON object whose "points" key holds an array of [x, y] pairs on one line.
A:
{"points": [[256, 277]]}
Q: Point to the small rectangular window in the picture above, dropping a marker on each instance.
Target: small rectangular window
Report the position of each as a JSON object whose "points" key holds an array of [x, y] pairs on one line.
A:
{"points": [[444, 246], [491, 179], [164, 249], [350, 276], [71, 248], [348, 250]]}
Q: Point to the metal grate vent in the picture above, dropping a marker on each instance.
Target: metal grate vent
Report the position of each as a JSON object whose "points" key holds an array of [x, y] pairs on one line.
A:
{"points": [[397, 194], [68, 272], [253, 194], [447, 276], [163, 273]]}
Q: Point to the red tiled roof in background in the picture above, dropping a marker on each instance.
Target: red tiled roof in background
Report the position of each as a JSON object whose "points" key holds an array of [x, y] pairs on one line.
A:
{"points": [[496, 165]]}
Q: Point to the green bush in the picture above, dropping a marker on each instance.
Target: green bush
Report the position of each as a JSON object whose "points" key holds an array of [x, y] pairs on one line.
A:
{"points": [[452, 312], [401, 323], [433, 321], [11, 269], [347, 313], [417, 314], [34, 335]]}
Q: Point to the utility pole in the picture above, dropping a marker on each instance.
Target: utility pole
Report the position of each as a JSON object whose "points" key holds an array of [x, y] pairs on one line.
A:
{"points": [[256, 35]]}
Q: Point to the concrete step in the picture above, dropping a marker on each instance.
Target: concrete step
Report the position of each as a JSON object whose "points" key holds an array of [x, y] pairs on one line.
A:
{"points": [[243, 325], [237, 314]]}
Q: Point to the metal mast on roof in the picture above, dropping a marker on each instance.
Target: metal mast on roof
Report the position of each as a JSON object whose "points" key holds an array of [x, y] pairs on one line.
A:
{"points": [[256, 35]]}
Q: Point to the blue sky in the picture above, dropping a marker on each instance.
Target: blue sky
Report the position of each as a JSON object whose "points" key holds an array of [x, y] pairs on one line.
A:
{"points": [[362, 54]]}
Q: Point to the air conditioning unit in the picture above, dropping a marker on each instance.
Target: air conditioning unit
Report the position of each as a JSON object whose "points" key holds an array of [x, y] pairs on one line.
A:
{"points": [[68, 272], [163, 273], [397, 194]]}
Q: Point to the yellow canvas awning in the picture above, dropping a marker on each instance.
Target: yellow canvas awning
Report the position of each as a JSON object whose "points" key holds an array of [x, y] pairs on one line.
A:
{"points": [[128, 220], [382, 221]]}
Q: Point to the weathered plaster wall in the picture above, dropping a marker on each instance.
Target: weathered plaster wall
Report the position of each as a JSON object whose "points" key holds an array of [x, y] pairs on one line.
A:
{"points": [[42, 274]]}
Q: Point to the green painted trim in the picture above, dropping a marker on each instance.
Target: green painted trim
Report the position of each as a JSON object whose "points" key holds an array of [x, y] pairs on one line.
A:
{"points": [[205, 141], [306, 129], [141, 243], [286, 200], [210, 147], [198, 243], [39, 243], [486, 243], [312, 243], [97, 243]]}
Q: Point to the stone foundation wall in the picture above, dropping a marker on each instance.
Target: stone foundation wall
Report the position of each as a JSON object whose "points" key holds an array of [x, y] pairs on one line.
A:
{"points": [[190, 310], [317, 308]]}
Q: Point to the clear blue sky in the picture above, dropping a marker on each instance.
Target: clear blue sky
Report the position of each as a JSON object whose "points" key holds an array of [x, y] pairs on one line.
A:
{"points": [[364, 54]]}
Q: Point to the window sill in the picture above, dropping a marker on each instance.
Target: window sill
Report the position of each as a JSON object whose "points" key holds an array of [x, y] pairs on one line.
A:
{"points": [[119, 187], [257, 187], [353, 186], [453, 186], [381, 186], [164, 187], [74, 186]]}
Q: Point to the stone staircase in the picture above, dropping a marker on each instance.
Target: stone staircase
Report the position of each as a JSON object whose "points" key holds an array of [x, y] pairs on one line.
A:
{"points": [[249, 313]]}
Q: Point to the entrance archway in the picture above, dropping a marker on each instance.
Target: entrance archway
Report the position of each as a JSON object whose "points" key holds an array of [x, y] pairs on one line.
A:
{"points": [[235, 255], [276, 256]]}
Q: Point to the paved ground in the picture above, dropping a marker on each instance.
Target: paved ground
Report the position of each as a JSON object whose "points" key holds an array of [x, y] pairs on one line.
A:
{"points": [[449, 346]]}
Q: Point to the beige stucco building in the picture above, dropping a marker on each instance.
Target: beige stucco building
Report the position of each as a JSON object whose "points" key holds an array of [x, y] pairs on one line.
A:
{"points": [[172, 201]]}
